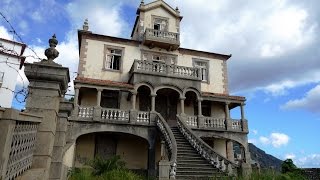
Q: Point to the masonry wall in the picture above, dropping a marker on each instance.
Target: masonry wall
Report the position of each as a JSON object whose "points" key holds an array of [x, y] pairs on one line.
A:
{"points": [[93, 66]]}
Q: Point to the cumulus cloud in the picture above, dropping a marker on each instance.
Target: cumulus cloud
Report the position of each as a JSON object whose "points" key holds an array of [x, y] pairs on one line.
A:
{"points": [[309, 102], [290, 156], [4, 33], [309, 161], [275, 139], [273, 44]]}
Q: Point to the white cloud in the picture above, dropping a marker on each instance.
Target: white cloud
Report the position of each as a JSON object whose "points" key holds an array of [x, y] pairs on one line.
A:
{"points": [[104, 16], [253, 141], [275, 139], [4, 33], [309, 161], [255, 132], [309, 102], [290, 156]]}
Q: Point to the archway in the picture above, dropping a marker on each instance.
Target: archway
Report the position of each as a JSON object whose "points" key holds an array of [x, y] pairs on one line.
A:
{"points": [[167, 104], [144, 99]]}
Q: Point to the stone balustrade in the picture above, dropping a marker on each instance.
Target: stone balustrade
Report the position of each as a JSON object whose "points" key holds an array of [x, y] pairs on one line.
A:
{"points": [[114, 115], [163, 36], [18, 139], [85, 112], [211, 122], [216, 123], [143, 117], [162, 69], [170, 142], [192, 121], [205, 150]]}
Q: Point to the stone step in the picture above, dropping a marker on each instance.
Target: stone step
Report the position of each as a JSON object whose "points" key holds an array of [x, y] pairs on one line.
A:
{"points": [[199, 177], [197, 172], [196, 168]]}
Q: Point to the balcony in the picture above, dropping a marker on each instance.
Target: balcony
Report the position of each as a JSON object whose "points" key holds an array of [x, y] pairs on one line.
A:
{"points": [[211, 123], [163, 39], [134, 117], [160, 73]]}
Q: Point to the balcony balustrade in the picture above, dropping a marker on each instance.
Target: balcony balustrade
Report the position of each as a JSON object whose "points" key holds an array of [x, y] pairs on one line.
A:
{"points": [[163, 39], [162, 69]]}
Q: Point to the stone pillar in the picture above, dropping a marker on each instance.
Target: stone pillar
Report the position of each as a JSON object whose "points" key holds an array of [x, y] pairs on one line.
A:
{"points": [[182, 105], [227, 114], [99, 97], [56, 169], [134, 99], [151, 161], [164, 170], [230, 153], [200, 116], [48, 83], [153, 102], [75, 101], [242, 111]]}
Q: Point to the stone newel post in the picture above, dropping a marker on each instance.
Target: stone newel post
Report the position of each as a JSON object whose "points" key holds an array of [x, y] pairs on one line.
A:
{"points": [[48, 83]]}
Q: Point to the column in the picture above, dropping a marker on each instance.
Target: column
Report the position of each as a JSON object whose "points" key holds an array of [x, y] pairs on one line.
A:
{"points": [[134, 99], [75, 101], [227, 112], [199, 107], [182, 105], [99, 97], [242, 111], [230, 153], [153, 102], [200, 116]]}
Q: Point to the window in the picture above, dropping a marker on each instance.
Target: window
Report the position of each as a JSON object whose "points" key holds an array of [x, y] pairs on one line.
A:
{"points": [[113, 59], [203, 66], [160, 24], [1, 78]]}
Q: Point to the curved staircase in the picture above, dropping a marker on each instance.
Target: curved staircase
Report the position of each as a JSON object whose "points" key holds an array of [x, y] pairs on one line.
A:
{"points": [[190, 164]]}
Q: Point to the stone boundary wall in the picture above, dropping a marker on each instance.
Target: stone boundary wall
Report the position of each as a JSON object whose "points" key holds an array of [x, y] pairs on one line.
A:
{"points": [[17, 140]]}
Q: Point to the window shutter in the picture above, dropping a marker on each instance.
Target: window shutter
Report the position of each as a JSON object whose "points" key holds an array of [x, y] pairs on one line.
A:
{"points": [[108, 64]]}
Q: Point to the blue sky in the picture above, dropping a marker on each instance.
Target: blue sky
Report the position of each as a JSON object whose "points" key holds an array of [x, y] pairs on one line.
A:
{"points": [[274, 44]]}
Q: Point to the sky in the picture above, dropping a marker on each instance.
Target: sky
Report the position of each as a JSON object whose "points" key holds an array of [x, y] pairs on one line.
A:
{"points": [[275, 47]]}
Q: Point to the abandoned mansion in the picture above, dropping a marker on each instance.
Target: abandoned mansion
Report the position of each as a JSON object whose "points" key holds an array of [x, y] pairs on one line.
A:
{"points": [[164, 109]]}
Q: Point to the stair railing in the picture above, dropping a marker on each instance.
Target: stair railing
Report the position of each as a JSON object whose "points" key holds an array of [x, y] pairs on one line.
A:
{"points": [[170, 142], [214, 158]]}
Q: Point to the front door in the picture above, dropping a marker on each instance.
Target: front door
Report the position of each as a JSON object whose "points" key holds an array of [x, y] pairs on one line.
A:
{"points": [[166, 105]]}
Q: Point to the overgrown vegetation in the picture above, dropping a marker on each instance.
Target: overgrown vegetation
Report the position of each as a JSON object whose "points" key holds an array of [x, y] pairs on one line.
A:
{"points": [[101, 169], [288, 172]]}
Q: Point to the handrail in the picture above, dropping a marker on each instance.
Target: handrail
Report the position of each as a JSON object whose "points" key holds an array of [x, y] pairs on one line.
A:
{"points": [[170, 143], [205, 150]]}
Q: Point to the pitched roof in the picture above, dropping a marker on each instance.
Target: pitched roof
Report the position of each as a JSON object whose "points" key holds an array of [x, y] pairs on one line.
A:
{"points": [[103, 82], [226, 96]]}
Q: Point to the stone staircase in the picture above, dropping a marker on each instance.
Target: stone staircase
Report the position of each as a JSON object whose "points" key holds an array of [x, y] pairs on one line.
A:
{"points": [[190, 164]]}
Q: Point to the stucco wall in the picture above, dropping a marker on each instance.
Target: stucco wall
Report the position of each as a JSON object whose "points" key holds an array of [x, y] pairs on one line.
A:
{"points": [[9, 79], [217, 110], [96, 56], [220, 146], [134, 152], [84, 149], [88, 97], [160, 12]]}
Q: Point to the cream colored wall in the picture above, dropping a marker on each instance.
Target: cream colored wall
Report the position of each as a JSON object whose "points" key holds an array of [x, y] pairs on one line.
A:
{"points": [[68, 157], [189, 110], [89, 99], [217, 110], [134, 152], [220, 147], [84, 149], [161, 13], [124, 104], [95, 61]]}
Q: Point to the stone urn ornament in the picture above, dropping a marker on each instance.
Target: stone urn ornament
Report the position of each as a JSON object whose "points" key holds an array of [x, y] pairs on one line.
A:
{"points": [[51, 52]]}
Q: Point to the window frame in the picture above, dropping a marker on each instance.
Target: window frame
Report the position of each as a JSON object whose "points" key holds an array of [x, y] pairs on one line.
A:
{"points": [[154, 18], [107, 53], [197, 60]]}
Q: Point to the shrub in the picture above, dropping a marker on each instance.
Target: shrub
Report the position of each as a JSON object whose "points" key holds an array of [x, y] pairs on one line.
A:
{"points": [[100, 165]]}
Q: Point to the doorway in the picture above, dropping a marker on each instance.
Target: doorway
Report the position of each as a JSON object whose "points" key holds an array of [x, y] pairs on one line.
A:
{"points": [[166, 105]]}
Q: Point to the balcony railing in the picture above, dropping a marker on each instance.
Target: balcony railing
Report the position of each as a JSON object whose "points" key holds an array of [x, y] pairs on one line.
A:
{"points": [[204, 122], [164, 36], [162, 69], [110, 115]]}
